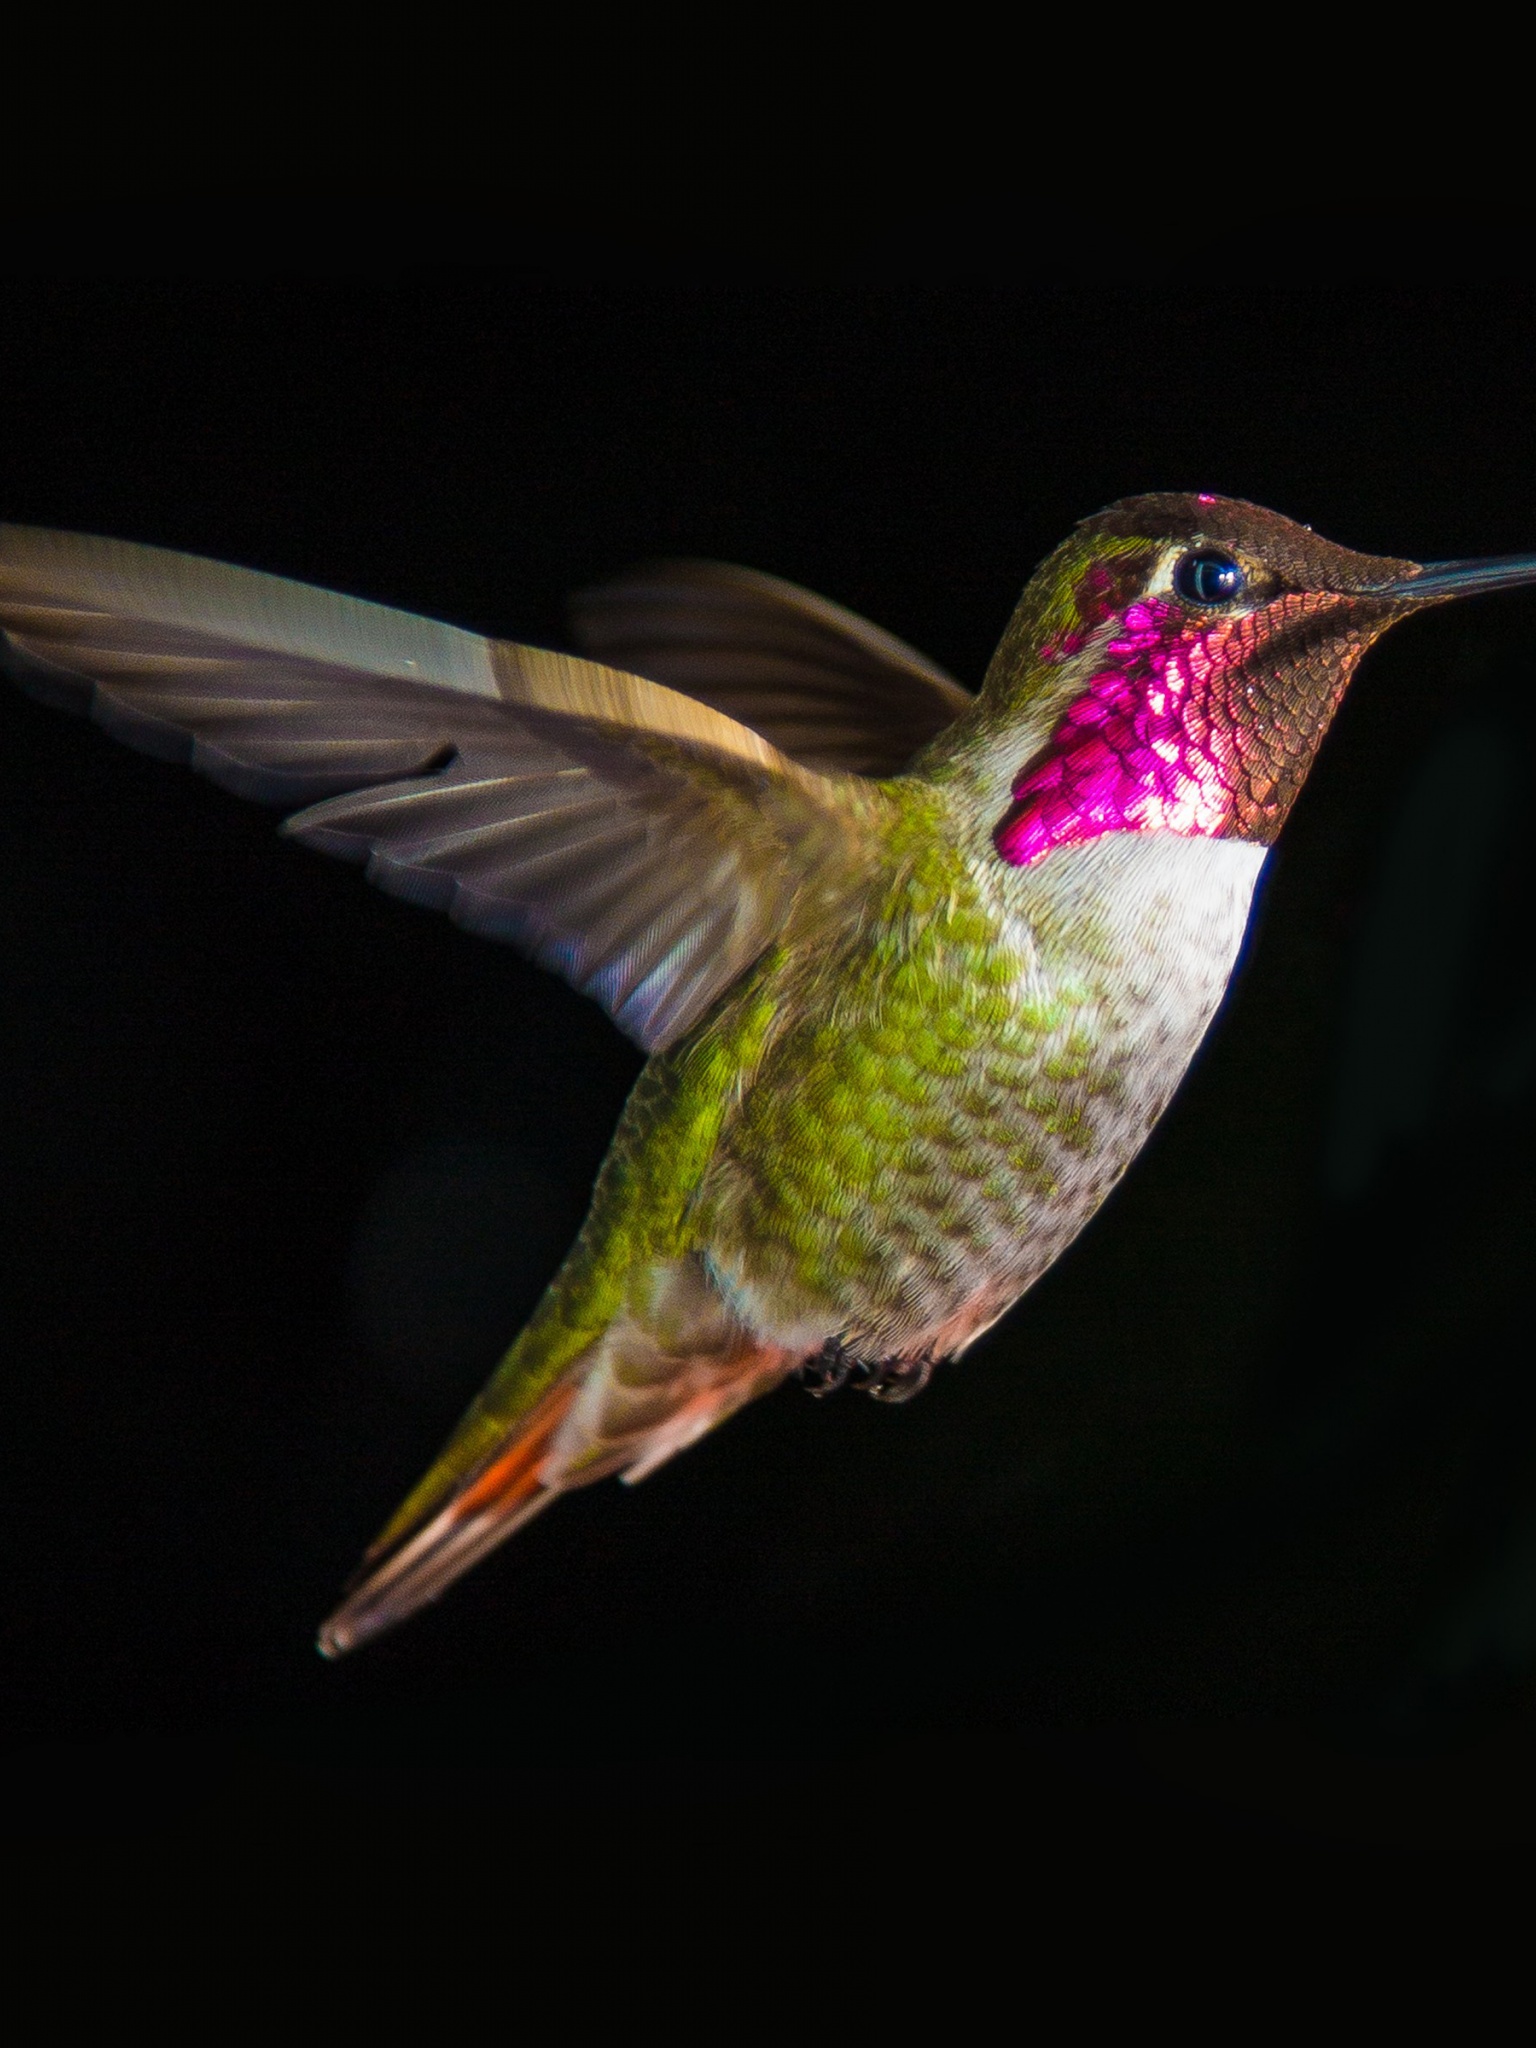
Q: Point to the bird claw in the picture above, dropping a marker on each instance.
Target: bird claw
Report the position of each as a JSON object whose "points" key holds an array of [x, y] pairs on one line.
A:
{"points": [[883, 1379], [827, 1371], [896, 1379]]}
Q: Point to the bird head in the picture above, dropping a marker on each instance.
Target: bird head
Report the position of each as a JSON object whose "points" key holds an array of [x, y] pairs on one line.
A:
{"points": [[1174, 665]]}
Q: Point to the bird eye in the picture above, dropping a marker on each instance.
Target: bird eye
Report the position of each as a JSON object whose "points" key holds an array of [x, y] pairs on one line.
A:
{"points": [[1209, 577]]}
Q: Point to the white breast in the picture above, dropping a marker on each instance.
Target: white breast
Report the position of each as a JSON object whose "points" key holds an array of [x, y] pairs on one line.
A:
{"points": [[1148, 926], [1155, 923]]}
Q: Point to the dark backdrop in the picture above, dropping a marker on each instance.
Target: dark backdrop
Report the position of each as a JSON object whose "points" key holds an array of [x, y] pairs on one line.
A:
{"points": [[1230, 1527]]}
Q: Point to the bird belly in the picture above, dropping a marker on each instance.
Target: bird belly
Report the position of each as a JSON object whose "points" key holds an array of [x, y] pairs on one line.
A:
{"points": [[933, 1132]]}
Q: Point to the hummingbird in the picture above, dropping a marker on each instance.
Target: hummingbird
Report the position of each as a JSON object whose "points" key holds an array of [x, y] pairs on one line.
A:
{"points": [[917, 970]]}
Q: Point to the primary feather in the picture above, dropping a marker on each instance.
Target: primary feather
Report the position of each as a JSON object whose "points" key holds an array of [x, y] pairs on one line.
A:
{"points": [[637, 841]]}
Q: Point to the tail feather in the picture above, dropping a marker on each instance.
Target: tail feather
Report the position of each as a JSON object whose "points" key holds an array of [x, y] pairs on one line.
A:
{"points": [[645, 1390], [402, 1575]]}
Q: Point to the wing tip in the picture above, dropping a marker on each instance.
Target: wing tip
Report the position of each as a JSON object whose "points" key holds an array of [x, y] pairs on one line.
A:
{"points": [[354, 1623], [333, 1641], [416, 1561], [422, 1570], [409, 1578]]}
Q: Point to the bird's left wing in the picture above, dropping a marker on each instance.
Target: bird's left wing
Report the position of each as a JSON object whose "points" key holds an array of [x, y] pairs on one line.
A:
{"points": [[832, 690], [642, 844]]}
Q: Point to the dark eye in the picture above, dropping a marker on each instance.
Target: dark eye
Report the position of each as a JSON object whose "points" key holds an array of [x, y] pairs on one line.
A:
{"points": [[1209, 577]]}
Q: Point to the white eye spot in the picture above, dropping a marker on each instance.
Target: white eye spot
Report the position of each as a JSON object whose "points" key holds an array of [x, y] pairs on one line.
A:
{"points": [[1165, 579], [1160, 582]]}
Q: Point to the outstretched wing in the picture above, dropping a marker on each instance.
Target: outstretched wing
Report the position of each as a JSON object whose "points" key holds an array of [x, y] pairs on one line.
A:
{"points": [[831, 690], [640, 843]]}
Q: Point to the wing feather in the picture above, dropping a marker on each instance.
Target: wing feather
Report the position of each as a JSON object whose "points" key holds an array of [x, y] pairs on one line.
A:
{"points": [[644, 845], [829, 689]]}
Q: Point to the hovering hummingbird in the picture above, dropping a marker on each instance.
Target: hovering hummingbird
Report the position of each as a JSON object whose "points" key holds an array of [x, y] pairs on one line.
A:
{"points": [[917, 970]]}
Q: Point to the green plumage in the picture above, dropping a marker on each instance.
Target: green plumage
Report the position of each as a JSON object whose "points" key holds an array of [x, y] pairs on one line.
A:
{"points": [[869, 1116]]}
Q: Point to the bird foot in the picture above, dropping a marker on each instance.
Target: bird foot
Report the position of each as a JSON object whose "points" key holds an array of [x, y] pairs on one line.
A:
{"points": [[883, 1379], [828, 1370], [894, 1379]]}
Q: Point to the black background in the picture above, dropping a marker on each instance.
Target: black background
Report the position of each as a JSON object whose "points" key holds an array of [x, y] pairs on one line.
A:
{"points": [[1228, 1532]]}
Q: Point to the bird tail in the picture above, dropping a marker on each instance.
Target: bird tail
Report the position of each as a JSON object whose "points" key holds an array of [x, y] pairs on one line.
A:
{"points": [[404, 1571], [651, 1384]]}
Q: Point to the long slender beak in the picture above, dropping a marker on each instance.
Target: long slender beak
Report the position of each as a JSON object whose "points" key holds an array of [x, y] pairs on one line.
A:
{"points": [[1463, 579]]}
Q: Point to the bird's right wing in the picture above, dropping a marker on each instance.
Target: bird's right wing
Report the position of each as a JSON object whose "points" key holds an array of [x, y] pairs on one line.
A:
{"points": [[642, 844], [833, 691]]}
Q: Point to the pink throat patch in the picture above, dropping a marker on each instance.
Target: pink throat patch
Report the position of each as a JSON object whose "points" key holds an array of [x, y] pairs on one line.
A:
{"points": [[1150, 746]]}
